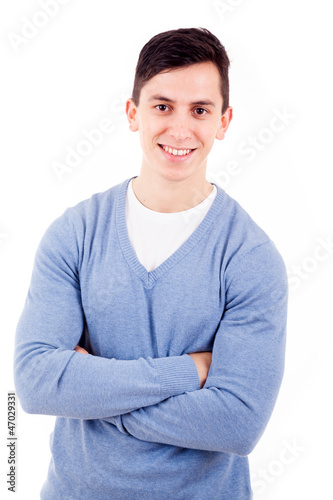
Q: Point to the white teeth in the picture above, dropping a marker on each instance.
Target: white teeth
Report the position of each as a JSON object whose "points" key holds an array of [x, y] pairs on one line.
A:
{"points": [[175, 152]]}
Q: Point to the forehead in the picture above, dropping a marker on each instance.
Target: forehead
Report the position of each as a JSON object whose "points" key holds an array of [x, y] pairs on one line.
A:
{"points": [[196, 82]]}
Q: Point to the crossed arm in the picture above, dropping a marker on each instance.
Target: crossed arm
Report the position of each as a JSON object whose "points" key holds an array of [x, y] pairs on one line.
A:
{"points": [[202, 362], [219, 401], [238, 393], [51, 378]]}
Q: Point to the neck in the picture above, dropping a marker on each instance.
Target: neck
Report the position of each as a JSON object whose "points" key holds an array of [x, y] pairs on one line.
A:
{"points": [[165, 195]]}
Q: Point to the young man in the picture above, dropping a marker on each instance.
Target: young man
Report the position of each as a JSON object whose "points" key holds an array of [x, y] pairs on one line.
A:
{"points": [[176, 294]]}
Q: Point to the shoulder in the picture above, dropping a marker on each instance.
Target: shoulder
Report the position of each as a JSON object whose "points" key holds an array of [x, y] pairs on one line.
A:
{"points": [[94, 211], [99, 205], [238, 225], [248, 249], [82, 220]]}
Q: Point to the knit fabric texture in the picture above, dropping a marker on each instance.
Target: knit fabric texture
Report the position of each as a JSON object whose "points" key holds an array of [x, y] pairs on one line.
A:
{"points": [[132, 421]]}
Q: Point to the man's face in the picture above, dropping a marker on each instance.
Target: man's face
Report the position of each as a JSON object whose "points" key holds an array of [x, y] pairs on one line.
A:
{"points": [[178, 118]]}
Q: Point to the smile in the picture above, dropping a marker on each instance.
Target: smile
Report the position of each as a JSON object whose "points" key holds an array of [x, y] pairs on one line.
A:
{"points": [[176, 152]]}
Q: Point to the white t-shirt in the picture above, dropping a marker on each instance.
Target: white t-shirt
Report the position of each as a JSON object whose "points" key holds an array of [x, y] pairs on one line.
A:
{"points": [[155, 236]]}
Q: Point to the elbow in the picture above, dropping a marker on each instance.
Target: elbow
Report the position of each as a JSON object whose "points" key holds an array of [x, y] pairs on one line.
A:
{"points": [[247, 432], [240, 430], [242, 425], [25, 394], [236, 442], [33, 399], [28, 383], [26, 404], [243, 447]]}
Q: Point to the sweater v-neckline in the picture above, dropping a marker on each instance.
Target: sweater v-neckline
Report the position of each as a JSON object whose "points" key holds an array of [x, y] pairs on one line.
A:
{"points": [[150, 277]]}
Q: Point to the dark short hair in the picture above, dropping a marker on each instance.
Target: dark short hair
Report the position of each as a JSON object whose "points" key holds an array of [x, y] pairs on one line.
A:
{"points": [[177, 48]]}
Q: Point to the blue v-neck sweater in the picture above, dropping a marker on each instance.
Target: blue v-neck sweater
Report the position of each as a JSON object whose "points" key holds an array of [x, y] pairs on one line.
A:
{"points": [[132, 421]]}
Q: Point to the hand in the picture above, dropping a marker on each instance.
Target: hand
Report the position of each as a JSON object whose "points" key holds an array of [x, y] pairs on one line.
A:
{"points": [[80, 349], [202, 361]]}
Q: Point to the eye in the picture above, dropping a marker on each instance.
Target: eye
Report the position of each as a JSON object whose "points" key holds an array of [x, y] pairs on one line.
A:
{"points": [[161, 107], [200, 111]]}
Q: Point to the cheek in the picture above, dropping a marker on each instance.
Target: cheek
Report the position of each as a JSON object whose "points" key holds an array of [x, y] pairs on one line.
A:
{"points": [[206, 132], [209, 137], [150, 135], [147, 140]]}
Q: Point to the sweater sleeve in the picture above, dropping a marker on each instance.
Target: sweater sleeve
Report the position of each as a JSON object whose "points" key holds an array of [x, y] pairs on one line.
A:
{"points": [[50, 377], [231, 411]]}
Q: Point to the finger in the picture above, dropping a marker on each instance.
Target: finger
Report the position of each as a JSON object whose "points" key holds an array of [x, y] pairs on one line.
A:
{"points": [[81, 350]]}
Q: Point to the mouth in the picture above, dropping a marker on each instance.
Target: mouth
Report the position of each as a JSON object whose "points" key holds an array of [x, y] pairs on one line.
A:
{"points": [[176, 152]]}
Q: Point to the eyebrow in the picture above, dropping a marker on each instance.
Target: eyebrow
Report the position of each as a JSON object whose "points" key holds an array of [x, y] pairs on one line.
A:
{"points": [[203, 102]]}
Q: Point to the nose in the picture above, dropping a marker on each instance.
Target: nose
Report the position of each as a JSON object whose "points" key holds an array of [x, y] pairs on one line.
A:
{"points": [[180, 127]]}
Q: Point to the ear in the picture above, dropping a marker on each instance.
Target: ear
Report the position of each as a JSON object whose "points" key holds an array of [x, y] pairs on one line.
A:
{"points": [[131, 112], [225, 122]]}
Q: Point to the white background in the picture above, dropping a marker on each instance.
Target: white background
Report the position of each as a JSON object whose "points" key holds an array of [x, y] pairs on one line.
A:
{"points": [[77, 70]]}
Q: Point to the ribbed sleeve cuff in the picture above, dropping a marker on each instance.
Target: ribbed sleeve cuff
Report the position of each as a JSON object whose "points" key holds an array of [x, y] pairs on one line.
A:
{"points": [[177, 375]]}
